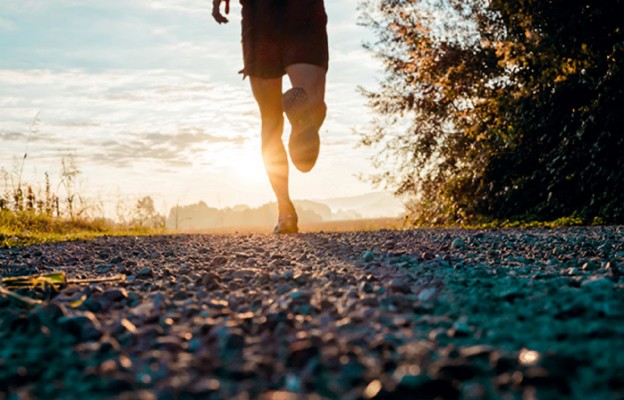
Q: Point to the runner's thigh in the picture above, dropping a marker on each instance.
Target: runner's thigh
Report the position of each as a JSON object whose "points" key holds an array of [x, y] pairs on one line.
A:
{"points": [[261, 36], [305, 33]]}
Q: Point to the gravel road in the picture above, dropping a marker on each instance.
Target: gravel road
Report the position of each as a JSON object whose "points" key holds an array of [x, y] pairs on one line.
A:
{"points": [[421, 314]]}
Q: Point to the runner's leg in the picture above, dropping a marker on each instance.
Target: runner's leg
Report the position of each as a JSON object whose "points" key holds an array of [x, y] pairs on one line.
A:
{"points": [[268, 95], [305, 107], [310, 78]]}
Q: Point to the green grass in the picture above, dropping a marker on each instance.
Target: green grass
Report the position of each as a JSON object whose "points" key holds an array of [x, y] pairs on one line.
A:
{"points": [[532, 223], [26, 227]]}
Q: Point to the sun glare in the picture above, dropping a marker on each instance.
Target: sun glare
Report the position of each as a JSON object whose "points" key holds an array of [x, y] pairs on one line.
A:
{"points": [[247, 165]]}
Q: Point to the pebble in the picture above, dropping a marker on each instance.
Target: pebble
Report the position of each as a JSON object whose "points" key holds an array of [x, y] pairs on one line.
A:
{"points": [[218, 261], [597, 283], [458, 244], [477, 351], [84, 326], [590, 266], [229, 339], [145, 273], [300, 353], [368, 256], [50, 313], [426, 294], [400, 285], [115, 294], [459, 329]]}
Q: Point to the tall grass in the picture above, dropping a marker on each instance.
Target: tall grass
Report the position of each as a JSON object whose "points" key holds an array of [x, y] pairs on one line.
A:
{"points": [[30, 214]]}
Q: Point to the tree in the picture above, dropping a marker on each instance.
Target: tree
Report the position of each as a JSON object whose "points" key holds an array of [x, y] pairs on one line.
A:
{"points": [[500, 109], [146, 214]]}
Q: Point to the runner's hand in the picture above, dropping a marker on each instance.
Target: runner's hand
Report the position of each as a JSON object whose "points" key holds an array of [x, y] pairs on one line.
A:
{"points": [[216, 12]]}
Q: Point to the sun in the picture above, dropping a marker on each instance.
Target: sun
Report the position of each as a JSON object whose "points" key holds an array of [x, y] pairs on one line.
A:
{"points": [[247, 165]]}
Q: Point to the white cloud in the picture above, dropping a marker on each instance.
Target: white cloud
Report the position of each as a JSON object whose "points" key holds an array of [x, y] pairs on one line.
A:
{"points": [[77, 105], [7, 24]]}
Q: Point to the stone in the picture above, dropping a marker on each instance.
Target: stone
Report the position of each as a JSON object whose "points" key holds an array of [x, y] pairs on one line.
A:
{"points": [[476, 352], [229, 339], [83, 326], [115, 295], [145, 273], [50, 313], [218, 261], [426, 294], [590, 266], [205, 386], [460, 329], [368, 256], [181, 295], [400, 285], [597, 283], [159, 300], [134, 299], [458, 244], [300, 353]]}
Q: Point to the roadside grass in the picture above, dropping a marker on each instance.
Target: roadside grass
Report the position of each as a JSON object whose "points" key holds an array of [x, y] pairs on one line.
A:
{"points": [[27, 227], [529, 222]]}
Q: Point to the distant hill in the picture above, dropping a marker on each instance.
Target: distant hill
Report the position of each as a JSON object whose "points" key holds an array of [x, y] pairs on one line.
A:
{"points": [[370, 205], [200, 216]]}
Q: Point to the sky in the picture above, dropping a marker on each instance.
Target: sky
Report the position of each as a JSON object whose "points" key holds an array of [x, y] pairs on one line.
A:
{"points": [[146, 95]]}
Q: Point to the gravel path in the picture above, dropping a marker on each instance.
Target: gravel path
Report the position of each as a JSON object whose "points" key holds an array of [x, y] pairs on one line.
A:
{"points": [[422, 314]]}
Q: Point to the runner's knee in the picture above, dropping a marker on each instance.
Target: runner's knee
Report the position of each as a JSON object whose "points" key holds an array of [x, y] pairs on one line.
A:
{"points": [[272, 126]]}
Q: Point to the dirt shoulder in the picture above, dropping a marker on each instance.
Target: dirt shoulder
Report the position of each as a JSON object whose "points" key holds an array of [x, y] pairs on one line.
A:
{"points": [[533, 313]]}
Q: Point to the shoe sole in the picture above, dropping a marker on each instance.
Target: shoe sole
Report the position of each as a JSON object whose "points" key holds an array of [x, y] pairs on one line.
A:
{"points": [[287, 224], [304, 145]]}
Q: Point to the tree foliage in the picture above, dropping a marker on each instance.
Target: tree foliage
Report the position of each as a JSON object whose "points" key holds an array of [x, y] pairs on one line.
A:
{"points": [[500, 109]]}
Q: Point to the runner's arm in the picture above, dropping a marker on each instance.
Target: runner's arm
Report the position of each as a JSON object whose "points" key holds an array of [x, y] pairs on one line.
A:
{"points": [[216, 12]]}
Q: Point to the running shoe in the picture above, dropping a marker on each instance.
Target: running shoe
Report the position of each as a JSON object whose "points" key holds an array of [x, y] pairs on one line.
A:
{"points": [[286, 223], [304, 143]]}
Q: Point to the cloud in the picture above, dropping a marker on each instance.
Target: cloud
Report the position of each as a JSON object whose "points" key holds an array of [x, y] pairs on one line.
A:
{"points": [[121, 116], [12, 136], [130, 153], [7, 25]]}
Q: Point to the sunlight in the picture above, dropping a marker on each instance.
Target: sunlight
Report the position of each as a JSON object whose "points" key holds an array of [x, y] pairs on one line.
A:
{"points": [[246, 164], [528, 357]]}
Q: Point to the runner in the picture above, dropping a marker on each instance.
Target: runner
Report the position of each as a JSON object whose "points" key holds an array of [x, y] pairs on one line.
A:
{"points": [[285, 37]]}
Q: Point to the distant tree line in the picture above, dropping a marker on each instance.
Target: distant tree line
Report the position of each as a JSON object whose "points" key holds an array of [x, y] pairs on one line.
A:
{"points": [[496, 109], [200, 216]]}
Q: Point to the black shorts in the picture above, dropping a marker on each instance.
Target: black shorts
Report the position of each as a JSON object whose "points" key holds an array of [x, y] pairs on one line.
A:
{"points": [[279, 33]]}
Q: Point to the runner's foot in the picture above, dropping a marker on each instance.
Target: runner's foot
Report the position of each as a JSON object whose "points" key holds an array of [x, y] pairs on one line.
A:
{"points": [[286, 223], [304, 143]]}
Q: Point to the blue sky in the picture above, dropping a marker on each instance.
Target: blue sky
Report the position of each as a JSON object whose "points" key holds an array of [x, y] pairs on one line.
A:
{"points": [[146, 95]]}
